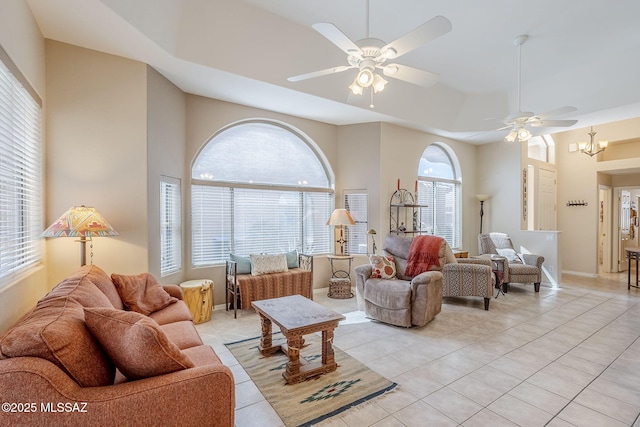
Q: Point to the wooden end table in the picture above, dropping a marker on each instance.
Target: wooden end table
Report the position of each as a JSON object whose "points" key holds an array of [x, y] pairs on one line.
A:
{"points": [[297, 316]]}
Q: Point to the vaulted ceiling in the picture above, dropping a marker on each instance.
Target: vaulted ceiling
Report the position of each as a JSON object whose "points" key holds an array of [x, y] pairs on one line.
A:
{"points": [[580, 53]]}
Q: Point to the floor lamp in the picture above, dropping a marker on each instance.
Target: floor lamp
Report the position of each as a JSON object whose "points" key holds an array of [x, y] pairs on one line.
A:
{"points": [[83, 222], [482, 198]]}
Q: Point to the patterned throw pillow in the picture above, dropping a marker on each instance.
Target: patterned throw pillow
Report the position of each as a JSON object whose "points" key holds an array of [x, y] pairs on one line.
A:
{"points": [[265, 264], [382, 267]]}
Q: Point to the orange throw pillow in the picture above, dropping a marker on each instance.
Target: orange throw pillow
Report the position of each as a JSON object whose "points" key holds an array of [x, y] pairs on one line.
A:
{"points": [[142, 293], [135, 343]]}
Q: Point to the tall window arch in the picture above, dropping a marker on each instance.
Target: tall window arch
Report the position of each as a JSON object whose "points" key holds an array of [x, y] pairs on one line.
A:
{"points": [[440, 188], [259, 187]]}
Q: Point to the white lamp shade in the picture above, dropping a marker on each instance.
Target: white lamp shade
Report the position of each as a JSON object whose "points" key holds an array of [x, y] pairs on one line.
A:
{"points": [[483, 197], [341, 217]]}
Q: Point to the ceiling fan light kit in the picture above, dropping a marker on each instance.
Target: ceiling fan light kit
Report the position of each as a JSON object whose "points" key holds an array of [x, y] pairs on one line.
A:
{"points": [[520, 122], [370, 54]]}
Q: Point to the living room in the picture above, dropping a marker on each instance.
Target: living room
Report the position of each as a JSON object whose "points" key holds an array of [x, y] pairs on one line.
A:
{"points": [[114, 125]]}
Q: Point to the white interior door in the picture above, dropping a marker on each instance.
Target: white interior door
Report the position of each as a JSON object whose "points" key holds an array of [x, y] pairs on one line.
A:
{"points": [[546, 212]]}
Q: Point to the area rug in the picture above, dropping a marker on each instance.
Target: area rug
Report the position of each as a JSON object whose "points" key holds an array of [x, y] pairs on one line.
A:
{"points": [[318, 398]]}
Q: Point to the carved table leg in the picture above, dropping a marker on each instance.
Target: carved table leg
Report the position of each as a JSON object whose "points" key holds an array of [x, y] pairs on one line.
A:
{"points": [[266, 343], [292, 372]]}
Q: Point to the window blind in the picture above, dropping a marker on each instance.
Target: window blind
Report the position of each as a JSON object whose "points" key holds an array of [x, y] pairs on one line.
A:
{"points": [[259, 187], [170, 226], [20, 175], [252, 221], [356, 203], [441, 217]]}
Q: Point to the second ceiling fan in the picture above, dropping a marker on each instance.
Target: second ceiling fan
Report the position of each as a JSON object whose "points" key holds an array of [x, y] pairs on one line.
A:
{"points": [[521, 121], [369, 55]]}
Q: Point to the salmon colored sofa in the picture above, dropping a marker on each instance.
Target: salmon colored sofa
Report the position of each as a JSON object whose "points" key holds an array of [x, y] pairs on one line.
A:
{"points": [[83, 356]]}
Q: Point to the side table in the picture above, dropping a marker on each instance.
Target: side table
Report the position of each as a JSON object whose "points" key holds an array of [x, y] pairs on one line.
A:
{"points": [[340, 281], [497, 265], [198, 295], [632, 253]]}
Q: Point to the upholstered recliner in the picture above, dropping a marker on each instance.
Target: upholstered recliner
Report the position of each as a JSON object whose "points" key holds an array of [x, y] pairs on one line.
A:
{"points": [[519, 268], [415, 300]]}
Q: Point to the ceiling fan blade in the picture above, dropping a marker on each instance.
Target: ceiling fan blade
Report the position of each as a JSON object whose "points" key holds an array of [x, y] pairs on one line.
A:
{"points": [[509, 126], [557, 112], [337, 37], [410, 74], [430, 30], [324, 72], [552, 123]]}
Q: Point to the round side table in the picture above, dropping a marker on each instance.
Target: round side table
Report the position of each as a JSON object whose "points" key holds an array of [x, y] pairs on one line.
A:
{"points": [[198, 295], [340, 281]]}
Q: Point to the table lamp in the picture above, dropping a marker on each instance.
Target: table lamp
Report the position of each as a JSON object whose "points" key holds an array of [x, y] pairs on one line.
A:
{"points": [[83, 222], [340, 218]]}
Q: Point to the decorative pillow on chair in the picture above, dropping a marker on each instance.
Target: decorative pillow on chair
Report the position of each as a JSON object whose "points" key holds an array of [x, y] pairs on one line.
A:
{"points": [[243, 264], [142, 293], [135, 343], [265, 264], [382, 267], [510, 255]]}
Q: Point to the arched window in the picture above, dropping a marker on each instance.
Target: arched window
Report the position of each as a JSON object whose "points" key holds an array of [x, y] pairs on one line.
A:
{"points": [[439, 188], [259, 187]]}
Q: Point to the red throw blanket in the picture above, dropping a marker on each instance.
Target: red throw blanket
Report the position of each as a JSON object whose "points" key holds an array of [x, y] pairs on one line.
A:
{"points": [[423, 254]]}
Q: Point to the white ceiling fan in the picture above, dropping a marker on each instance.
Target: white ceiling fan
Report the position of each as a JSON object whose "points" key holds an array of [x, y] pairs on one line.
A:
{"points": [[521, 121], [371, 54]]}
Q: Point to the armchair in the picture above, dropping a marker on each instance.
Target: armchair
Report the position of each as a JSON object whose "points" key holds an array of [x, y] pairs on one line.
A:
{"points": [[415, 300], [519, 268]]}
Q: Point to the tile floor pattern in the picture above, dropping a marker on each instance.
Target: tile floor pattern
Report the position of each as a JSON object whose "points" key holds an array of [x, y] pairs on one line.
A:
{"points": [[568, 356]]}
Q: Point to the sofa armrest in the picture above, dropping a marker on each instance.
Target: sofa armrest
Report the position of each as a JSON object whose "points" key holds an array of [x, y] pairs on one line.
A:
{"points": [[423, 278], [532, 259], [206, 397], [363, 273], [477, 261], [173, 290]]}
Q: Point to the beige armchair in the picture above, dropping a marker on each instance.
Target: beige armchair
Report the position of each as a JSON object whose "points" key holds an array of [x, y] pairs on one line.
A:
{"points": [[519, 268], [415, 300]]}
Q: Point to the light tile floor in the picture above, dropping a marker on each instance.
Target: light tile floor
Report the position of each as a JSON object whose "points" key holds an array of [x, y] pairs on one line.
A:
{"points": [[567, 356]]}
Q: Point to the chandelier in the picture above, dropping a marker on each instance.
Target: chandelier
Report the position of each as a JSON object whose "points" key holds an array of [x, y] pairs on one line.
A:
{"points": [[592, 148]]}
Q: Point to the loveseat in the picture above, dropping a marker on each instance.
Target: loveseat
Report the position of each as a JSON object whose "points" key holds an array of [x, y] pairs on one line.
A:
{"points": [[106, 351]]}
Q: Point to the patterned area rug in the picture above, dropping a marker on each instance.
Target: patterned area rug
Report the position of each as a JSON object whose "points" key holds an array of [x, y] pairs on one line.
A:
{"points": [[317, 398]]}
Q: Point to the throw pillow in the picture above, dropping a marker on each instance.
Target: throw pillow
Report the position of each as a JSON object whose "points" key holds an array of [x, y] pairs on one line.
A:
{"points": [[142, 293], [382, 267], [264, 264], [243, 264], [292, 259], [56, 331], [135, 343], [510, 255]]}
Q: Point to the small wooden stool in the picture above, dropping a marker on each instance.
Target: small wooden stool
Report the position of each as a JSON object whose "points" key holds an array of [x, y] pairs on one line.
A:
{"points": [[198, 295]]}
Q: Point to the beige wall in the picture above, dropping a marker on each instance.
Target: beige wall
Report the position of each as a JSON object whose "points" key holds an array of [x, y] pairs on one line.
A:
{"points": [[21, 39], [166, 130], [96, 138]]}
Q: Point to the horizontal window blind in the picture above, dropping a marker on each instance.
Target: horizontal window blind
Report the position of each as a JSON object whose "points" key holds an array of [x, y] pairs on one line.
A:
{"points": [[441, 217], [356, 204], [259, 187], [20, 175], [170, 226]]}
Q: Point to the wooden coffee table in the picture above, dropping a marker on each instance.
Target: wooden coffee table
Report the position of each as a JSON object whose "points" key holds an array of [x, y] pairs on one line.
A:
{"points": [[297, 316]]}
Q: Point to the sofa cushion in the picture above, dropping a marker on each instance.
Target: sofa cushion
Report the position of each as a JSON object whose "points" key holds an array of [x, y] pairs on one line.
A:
{"points": [[142, 293], [172, 313], [182, 334], [265, 264], [99, 278], [135, 343], [389, 294], [81, 287], [55, 330], [202, 355]]}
